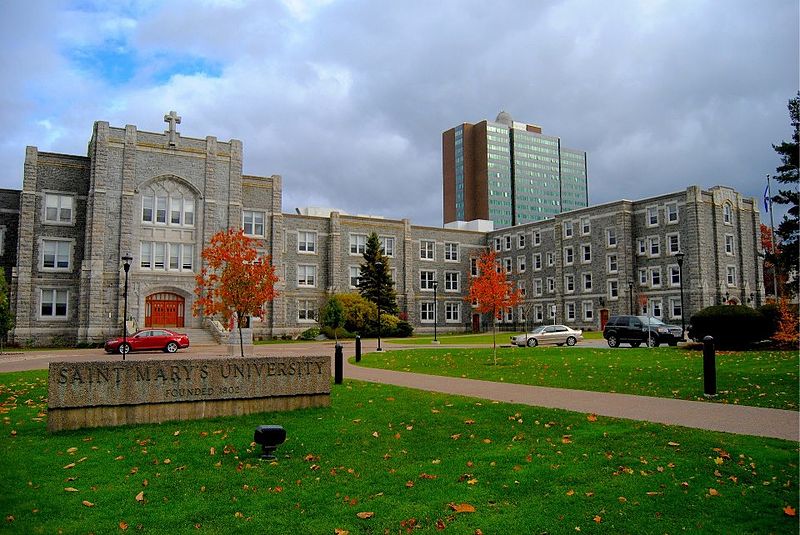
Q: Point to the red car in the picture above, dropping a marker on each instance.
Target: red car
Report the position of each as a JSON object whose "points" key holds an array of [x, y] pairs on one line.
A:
{"points": [[148, 339]]}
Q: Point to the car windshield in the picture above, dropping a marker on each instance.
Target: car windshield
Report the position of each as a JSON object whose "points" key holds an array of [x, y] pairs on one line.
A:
{"points": [[538, 330], [652, 321]]}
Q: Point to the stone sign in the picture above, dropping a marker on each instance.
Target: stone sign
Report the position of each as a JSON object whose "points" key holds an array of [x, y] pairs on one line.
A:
{"points": [[106, 393]]}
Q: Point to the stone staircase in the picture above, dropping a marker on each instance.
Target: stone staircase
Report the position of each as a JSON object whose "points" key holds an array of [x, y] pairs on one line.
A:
{"points": [[199, 337]]}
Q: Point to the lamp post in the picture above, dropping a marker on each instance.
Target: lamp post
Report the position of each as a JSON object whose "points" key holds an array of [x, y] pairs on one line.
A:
{"points": [[378, 267], [435, 312], [679, 257], [630, 296], [126, 265]]}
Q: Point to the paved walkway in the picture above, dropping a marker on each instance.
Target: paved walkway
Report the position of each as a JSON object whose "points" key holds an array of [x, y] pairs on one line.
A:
{"points": [[736, 419]]}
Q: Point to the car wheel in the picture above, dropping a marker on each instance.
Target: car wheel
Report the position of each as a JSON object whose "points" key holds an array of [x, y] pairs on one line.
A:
{"points": [[613, 341], [172, 347], [571, 341], [635, 344], [652, 342], [532, 342], [124, 349]]}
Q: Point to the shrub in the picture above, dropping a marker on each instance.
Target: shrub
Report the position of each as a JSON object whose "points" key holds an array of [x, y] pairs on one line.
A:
{"points": [[732, 326], [786, 335], [771, 314], [310, 334], [341, 332], [358, 312], [404, 329]]}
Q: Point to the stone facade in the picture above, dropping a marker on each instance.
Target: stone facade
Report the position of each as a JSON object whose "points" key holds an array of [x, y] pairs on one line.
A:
{"points": [[159, 197]]}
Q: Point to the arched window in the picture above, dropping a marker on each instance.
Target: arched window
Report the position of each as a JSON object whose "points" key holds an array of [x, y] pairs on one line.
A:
{"points": [[168, 203], [727, 213]]}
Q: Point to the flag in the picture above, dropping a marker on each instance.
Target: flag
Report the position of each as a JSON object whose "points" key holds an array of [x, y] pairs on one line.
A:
{"points": [[767, 200]]}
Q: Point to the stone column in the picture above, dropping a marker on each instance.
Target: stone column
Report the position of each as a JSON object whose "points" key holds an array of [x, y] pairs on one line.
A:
{"points": [[335, 275], [277, 308], [129, 218], [410, 304], [235, 185], [25, 307]]}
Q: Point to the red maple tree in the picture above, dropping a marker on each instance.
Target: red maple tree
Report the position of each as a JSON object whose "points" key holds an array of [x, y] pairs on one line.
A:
{"points": [[492, 292], [235, 280]]}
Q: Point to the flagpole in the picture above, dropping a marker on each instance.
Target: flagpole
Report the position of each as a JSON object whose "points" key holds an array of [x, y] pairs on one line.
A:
{"points": [[772, 241]]}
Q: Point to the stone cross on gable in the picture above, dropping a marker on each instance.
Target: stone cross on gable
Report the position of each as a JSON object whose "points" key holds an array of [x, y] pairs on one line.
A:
{"points": [[173, 119]]}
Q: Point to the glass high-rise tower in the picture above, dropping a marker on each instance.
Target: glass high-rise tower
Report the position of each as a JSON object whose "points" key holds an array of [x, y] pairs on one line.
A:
{"points": [[510, 173]]}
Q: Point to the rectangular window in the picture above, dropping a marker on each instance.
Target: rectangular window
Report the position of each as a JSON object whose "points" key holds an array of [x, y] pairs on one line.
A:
{"points": [[655, 246], [188, 212], [452, 312], [551, 259], [612, 264], [54, 303], [538, 313], [521, 264], [551, 285], [588, 311], [655, 277], [537, 287], [656, 310], [569, 283], [586, 253], [358, 243], [730, 275], [508, 317], [586, 227], [520, 241], [652, 216], [537, 261], [147, 209], [570, 311], [521, 288], [587, 282], [473, 267], [673, 243], [426, 250], [507, 240], [355, 275], [161, 210], [674, 276], [253, 223], [146, 256], [508, 264], [568, 256], [174, 256], [675, 310], [159, 255], [426, 312], [426, 279], [613, 289], [643, 277], [306, 310], [175, 210], [611, 237], [306, 276], [58, 208], [537, 238], [188, 257], [567, 229], [306, 242], [56, 254], [641, 246], [672, 212], [729, 244], [387, 244], [451, 281], [498, 244], [451, 252]]}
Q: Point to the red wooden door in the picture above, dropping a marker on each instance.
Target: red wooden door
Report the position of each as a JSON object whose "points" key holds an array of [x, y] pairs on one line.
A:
{"points": [[164, 310], [603, 318]]}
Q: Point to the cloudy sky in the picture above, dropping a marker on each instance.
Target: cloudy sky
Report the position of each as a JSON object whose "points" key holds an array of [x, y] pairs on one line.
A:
{"points": [[347, 99]]}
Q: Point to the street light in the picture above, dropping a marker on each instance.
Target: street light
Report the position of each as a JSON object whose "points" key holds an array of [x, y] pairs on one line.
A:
{"points": [[435, 315], [378, 268], [679, 257], [126, 265]]}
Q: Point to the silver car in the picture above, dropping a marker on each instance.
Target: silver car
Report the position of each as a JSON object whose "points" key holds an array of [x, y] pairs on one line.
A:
{"points": [[548, 334]]}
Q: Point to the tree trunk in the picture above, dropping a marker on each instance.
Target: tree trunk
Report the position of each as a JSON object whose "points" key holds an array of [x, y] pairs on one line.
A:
{"points": [[494, 336], [241, 342]]}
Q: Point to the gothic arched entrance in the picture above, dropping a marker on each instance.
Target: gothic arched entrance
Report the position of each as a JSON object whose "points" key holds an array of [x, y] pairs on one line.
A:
{"points": [[164, 310]]}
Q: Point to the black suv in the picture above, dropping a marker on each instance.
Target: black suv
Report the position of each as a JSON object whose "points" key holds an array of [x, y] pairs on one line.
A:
{"points": [[638, 329]]}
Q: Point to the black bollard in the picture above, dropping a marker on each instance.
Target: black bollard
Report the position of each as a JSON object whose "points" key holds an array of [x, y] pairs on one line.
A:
{"points": [[338, 365], [709, 368], [358, 348]]}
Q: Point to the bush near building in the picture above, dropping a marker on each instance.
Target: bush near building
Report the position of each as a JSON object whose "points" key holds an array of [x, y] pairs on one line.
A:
{"points": [[731, 326]]}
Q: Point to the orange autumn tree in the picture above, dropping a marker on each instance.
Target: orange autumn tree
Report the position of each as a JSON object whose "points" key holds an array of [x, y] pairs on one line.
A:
{"points": [[787, 333], [493, 292], [235, 280]]}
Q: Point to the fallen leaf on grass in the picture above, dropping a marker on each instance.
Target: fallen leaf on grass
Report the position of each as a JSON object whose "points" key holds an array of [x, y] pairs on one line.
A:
{"points": [[72, 450], [375, 434], [338, 531], [713, 492], [365, 514], [462, 507], [87, 503], [70, 489], [70, 465], [123, 525], [591, 417], [140, 497], [789, 511], [598, 518], [570, 492], [673, 444]]}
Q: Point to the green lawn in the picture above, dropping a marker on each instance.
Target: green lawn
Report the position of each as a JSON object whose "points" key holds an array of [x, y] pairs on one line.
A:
{"points": [[757, 378], [411, 459]]}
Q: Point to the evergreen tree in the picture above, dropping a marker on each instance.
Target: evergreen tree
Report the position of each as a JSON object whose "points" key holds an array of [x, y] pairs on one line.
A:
{"points": [[787, 174], [375, 282]]}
